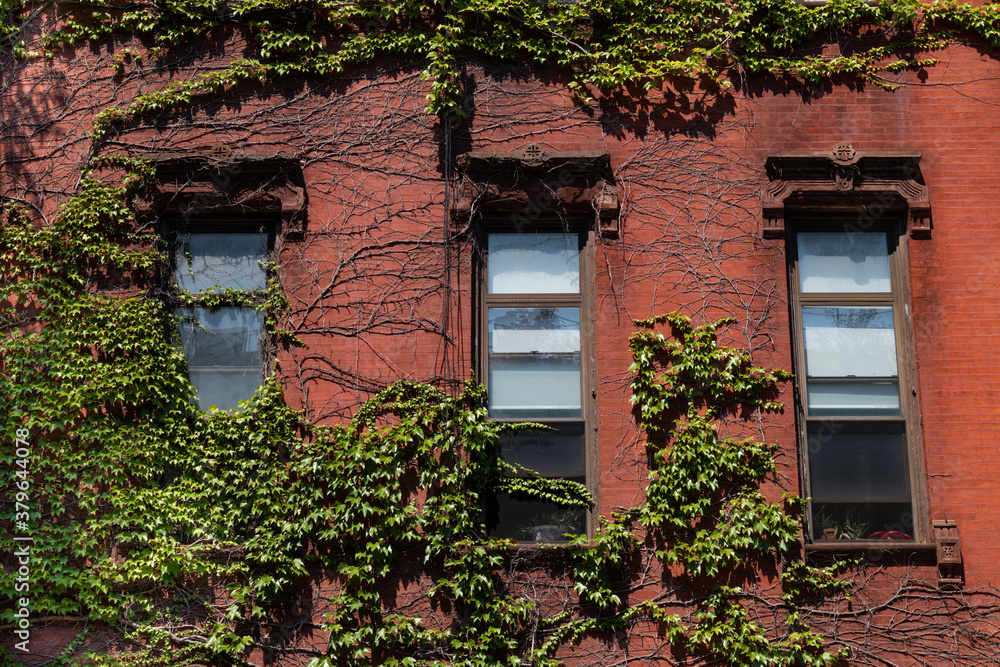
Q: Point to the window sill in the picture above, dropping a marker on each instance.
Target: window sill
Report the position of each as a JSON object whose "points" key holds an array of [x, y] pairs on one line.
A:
{"points": [[820, 3], [538, 547], [853, 548]]}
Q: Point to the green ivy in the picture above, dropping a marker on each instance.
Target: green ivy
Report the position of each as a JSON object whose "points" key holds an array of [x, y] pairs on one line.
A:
{"points": [[146, 509], [704, 508], [604, 44]]}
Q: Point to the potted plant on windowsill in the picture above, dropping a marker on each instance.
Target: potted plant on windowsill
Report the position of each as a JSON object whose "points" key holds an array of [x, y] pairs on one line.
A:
{"points": [[851, 527]]}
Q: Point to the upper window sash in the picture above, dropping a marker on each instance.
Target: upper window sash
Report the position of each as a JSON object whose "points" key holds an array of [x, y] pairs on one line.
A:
{"points": [[533, 263], [847, 318], [205, 261], [843, 263]]}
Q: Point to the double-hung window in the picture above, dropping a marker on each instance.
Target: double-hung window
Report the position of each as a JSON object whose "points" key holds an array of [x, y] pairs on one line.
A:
{"points": [[536, 320], [852, 361], [219, 271]]}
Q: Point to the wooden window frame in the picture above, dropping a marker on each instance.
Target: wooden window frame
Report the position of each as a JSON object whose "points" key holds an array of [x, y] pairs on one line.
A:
{"points": [[174, 225], [894, 227], [585, 230]]}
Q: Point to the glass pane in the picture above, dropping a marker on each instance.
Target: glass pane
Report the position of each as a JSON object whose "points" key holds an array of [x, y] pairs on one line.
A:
{"points": [[862, 521], [849, 342], [843, 262], [534, 263], [527, 520], [224, 388], [856, 398], [227, 261], [534, 362], [858, 463], [224, 355], [557, 453], [534, 330], [535, 388]]}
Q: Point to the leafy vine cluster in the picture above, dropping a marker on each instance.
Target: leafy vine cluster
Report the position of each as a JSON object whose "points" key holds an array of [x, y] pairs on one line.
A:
{"points": [[603, 44], [191, 531]]}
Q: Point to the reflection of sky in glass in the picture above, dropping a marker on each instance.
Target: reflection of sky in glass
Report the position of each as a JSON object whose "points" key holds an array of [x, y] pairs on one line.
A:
{"points": [[534, 330], [534, 264], [227, 261], [849, 341], [540, 387], [863, 397], [226, 337], [534, 366], [841, 262], [224, 355]]}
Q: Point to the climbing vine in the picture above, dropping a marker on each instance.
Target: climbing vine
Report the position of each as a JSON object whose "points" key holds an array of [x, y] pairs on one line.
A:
{"points": [[604, 44], [183, 537], [192, 533], [704, 506]]}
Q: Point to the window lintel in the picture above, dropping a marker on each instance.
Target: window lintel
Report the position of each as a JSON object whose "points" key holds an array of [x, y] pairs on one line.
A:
{"points": [[534, 182], [874, 183], [222, 182]]}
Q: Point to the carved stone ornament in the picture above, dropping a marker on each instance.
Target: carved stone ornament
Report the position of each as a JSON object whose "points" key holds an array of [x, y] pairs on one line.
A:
{"points": [[843, 153], [222, 181], [843, 178], [532, 184], [870, 185], [222, 152], [532, 151], [949, 553]]}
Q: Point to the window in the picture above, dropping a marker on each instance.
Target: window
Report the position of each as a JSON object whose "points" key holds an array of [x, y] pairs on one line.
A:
{"points": [[223, 343], [852, 362], [536, 319]]}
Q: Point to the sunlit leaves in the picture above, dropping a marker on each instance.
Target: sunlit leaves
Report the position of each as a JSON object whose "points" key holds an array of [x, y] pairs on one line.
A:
{"points": [[704, 505], [601, 44]]}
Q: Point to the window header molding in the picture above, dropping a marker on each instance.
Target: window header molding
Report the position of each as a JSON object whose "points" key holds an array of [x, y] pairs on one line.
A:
{"points": [[845, 180], [220, 181], [532, 182]]}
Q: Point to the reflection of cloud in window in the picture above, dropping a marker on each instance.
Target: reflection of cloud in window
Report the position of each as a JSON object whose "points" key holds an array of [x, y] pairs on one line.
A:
{"points": [[227, 261], [833, 262], [534, 330], [534, 264], [846, 342]]}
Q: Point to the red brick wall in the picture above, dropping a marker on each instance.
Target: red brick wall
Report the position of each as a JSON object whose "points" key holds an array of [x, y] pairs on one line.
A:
{"points": [[373, 300], [689, 241]]}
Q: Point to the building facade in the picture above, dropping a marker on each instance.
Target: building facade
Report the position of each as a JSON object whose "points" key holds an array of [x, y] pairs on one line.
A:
{"points": [[331, 231]]}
